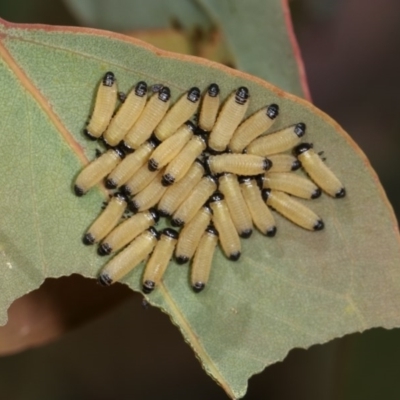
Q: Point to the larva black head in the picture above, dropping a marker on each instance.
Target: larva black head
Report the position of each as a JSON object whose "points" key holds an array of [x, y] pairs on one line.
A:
{"points": [[126, 190], [201, 135], [141, 89], [193, 94], [89, 135], [148, 286], [267, 164], [163, 213], [164, 94], [104, 249], [271, 232], [122, 97], [259, 180], [167, 180], [154, 214], [319, 225], [78, 191], [104, 280], [244, 179], [241, 95], [246, 233], [154, 232], [213, 90], [191, 126], [109, 79], [300, 129], [176, 222], [211, 229], [88, 239], [301, 148], [265, 193], [316, 193], [111, 184], [213, 178], [217, 196], [120, 196], [133, 206], [234, 256], [119, 151], [171, 233], [341, 193], [273, 111], [181, 259], [126, 148], [198, 287], [152, 164], [296, 165], [153, 141]]}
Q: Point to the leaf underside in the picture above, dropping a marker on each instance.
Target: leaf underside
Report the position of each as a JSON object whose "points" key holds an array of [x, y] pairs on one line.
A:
{"points": [[296, 290]]}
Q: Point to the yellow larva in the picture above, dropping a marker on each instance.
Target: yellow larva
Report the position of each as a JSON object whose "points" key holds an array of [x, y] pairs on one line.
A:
{"points": [[107, 220], [283, 163], [159, 260], [171, 147], [129, 165], [126, 115], [209, 108], [139, 180], [291, 183], [199, 195], [260, 213], [191, 234], [253, 127], [228, 236], [318, 171], [180, 112], [178, 193], [98, 169], [277, 142], [293, 210], [229, 187], [180, 165], [125, 232], [228, 119], [129, 258], [202, 261], [151, 115], [149, 196], [239, 164], [104, 106]]}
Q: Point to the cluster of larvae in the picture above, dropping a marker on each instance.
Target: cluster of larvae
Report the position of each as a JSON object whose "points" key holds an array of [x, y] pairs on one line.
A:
{"points": [[215, 179]]}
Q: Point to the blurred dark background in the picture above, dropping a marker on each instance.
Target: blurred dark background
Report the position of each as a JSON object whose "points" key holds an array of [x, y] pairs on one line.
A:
{"points": [[111, 347]]}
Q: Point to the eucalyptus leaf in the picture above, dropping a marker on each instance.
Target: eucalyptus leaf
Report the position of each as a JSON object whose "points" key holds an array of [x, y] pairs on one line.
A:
{"points": [[295, 290]]}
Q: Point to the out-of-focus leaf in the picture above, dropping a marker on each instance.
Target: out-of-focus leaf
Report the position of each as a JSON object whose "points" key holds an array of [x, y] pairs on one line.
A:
{"points": [[296, 290]]}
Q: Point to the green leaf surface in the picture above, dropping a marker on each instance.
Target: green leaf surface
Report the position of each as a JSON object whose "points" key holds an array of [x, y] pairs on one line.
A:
{"points": [[296, 290]]}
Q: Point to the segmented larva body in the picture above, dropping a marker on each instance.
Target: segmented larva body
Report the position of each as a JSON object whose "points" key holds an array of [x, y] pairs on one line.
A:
{"points": [[129, 165], [230, 188], [104, 106], [318, 171], [191, 234], [293, 184], [97, 170], [293, 210], [139, 180], [228, 237], [200, 194], [180, 165], [239, 164], [203, 257], [228, 119], [107, 220], [125, 232], [149, 196], [129, 258], [283, 163], [178, 192], [126, 115], [180, 112], [260, 213], [152, 114], [159, 260], [209, 108], [171, 147], [253, 127], [277, 142]]}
